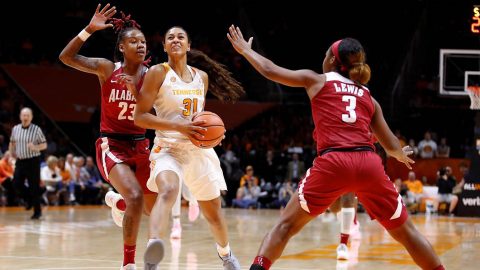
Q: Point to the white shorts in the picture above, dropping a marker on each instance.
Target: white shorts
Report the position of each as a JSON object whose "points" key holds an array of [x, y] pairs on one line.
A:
{"points": [[198, 168]]}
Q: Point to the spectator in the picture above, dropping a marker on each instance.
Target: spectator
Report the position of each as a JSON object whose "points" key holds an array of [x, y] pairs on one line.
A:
{"points": [[6, 174], [443, 150], [52, 180], [269, 168], [248, 176], [68, 183], [445, 190], [285, 193], [414, 193], [412, 145], [295, 168], [247, 195], [70, 166], [427, 147], [96, 185]]}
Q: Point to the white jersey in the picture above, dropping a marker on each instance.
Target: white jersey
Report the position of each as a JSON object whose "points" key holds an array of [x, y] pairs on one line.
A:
{"points": [[199, 168], [178, 100]]}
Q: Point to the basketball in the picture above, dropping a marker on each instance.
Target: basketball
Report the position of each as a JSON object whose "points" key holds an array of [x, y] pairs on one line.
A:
{"points": [[214, 133]]}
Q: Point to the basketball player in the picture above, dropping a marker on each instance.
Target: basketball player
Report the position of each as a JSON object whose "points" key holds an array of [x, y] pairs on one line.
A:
{"points": [[122, 150], [177, 91], [343, 112]]}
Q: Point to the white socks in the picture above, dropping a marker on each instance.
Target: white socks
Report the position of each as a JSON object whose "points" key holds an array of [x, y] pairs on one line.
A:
{"points": [[346, 221], [176, 221], [223, 251]]}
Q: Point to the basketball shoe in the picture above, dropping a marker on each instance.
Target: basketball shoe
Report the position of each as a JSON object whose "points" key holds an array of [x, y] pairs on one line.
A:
{"points": [[153, 254], [129, 266], [111, 199], [342, 252], [230, 262]]}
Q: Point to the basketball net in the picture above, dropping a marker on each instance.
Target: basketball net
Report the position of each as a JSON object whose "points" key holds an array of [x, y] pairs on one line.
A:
{"points": [[474, 93]]}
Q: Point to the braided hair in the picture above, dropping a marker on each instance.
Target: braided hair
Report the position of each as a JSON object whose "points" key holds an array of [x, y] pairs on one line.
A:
{"points": [[221, 83], [122, 26]]}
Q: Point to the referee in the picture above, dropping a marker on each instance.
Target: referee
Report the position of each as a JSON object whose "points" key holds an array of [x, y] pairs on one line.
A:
{"points": [[26, 142]]}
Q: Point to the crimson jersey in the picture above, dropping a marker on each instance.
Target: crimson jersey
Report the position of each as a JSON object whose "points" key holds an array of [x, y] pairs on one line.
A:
{"points": [[342, 111], [118, 105]]}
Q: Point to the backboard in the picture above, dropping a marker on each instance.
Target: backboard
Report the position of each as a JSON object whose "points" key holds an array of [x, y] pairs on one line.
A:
{"points": [[458, 69]]}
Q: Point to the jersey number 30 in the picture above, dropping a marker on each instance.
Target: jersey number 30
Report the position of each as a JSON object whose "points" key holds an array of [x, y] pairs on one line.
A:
{"points": [[351, 117], [125, 107]]}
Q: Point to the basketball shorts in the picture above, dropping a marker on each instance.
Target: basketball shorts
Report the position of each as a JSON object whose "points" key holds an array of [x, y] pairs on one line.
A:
{"points": [[199, 169], [135, 154], [362, 172]]}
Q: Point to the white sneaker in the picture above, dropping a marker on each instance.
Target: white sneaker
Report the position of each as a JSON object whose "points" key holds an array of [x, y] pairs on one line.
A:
{"points": [[342, 252], [153, 254], [193, 212], [176, 231], [129, 266], [111, 199]]}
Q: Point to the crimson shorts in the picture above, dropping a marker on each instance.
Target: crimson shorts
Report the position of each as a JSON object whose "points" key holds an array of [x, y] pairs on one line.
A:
{"points": [[362, 172], [132, 153]]}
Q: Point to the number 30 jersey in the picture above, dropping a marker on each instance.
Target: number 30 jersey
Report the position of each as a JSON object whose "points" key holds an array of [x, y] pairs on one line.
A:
{"points": [[178, 100], [342, 111], [117, 106]]}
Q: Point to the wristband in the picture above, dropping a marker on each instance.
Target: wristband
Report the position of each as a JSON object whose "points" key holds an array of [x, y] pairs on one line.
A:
{"points": [[83, 35]]}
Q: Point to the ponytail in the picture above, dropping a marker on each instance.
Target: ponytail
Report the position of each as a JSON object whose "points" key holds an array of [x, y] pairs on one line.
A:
{"points": [[221, 83], [360, 72]]}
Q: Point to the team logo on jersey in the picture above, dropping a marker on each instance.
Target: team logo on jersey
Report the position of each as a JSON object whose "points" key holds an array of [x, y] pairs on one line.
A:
{"points": [[173, 79]]}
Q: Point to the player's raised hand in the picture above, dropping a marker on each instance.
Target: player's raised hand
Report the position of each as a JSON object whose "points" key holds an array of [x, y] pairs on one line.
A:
{"points": [[100, 18], [238, 42]]}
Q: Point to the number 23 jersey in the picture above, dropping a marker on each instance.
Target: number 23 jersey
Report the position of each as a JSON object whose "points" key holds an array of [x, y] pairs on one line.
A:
{"points": [[118, 105], [178, 100], [342, 111]]}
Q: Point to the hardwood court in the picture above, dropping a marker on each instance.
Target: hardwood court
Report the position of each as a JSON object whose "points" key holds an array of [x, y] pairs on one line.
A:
{"points": [[86, 238]]}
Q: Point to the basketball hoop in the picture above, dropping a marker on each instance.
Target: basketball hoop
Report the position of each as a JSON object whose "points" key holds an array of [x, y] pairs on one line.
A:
{"points": [[474, 94]]}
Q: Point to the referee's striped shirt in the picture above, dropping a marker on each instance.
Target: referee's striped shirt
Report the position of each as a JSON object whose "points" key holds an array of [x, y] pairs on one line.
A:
{"points": [[22, 136]]}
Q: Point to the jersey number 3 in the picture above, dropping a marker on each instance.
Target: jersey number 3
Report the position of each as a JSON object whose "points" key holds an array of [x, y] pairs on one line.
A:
{"points": [[351, 117], [125, 107]]}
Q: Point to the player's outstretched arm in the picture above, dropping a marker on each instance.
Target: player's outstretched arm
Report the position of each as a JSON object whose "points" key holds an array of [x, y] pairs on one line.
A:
{"points": [[69, 55], [294, 78]]}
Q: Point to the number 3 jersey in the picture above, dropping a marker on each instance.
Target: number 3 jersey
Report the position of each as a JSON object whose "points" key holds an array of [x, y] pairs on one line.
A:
{"points": [[342, 111], [118, 105], [178, 101]]}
